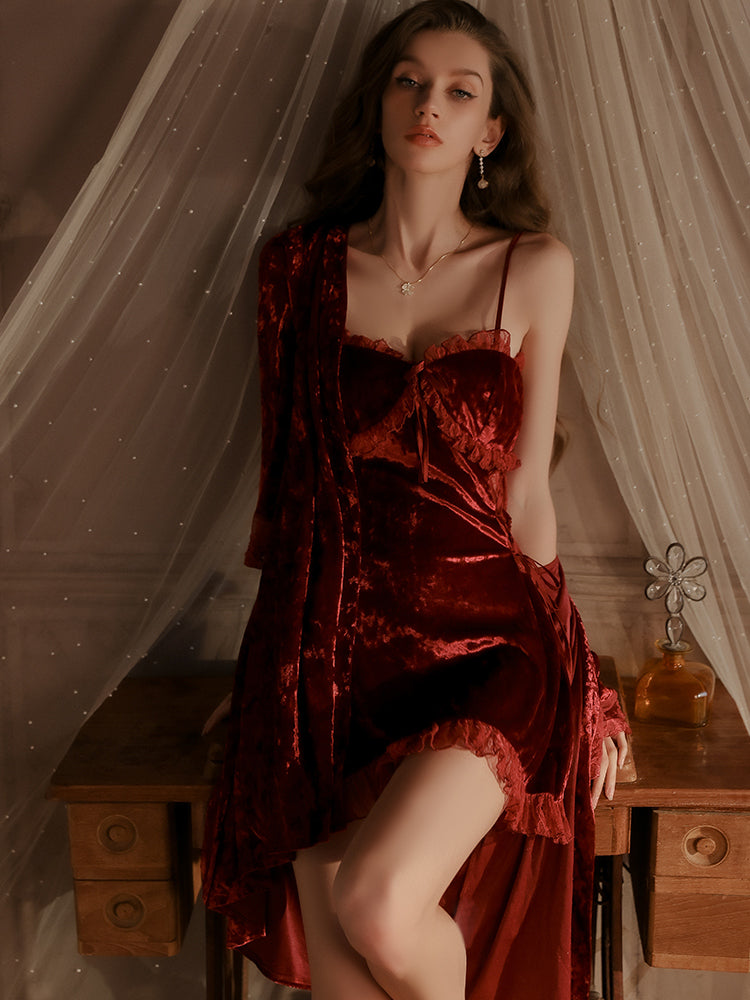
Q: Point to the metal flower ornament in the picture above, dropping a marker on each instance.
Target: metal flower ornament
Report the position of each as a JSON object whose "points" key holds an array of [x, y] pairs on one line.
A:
{"points": [[675, 581]]}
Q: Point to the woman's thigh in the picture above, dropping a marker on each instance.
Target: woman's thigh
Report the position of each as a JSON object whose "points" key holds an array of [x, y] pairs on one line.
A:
{"points": [[435, 809]]}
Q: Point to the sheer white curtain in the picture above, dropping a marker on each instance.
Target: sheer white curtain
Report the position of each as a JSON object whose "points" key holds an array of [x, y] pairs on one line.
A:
{"points": [[129, 419], [645, 106], [127, 374]]}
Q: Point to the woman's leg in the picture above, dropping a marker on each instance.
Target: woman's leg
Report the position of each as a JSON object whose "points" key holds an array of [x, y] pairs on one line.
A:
{"points": [[370, 895], [338, 972], [401, 859]]}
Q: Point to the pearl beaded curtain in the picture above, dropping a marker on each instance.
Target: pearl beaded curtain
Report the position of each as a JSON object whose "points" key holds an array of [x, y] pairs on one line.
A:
{"points": [[127, 372]]}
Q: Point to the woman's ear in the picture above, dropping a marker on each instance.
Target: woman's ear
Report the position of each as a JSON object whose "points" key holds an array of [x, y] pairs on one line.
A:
{"points": [[492, 136]]}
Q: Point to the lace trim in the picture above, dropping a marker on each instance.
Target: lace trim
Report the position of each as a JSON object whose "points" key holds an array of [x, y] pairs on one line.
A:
{"points": [[487, 456], [491, 340], [539, 813], [373, 345], [479, 340], [369, 440]]}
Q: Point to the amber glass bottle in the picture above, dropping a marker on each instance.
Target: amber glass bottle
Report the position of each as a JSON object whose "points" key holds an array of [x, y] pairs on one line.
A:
{"points": [[673, 689]]}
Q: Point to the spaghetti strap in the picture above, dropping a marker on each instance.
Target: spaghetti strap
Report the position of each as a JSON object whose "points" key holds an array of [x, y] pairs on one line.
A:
{"points": [[509, 251]]}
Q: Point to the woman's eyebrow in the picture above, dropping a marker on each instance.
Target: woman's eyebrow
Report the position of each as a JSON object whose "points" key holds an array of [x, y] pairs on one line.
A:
{"points": [[461, 71]]}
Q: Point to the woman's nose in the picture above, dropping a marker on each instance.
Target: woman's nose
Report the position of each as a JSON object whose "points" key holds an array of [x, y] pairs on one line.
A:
{"points": [[427, 104]]}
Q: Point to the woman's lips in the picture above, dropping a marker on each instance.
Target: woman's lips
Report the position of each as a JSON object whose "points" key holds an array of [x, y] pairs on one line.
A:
{"points": [[424, 137]]}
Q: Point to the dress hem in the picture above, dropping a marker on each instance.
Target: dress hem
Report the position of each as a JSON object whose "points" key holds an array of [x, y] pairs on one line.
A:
{"points": [[528, 813]]}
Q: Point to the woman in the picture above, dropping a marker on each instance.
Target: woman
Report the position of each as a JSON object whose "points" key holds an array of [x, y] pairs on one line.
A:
{"points": [[417, 733]]}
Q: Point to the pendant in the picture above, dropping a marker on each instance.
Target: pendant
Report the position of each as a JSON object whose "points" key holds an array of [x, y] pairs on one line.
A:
{"points": [[483, 183], [407, 288]]}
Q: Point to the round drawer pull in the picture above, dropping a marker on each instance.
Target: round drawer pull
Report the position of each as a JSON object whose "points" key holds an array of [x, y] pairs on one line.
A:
{"points": [[125, 911], [117, 834], [705, 846]]}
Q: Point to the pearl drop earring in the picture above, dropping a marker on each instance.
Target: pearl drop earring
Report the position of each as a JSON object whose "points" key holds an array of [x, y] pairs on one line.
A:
{"points": [[482, 183]]}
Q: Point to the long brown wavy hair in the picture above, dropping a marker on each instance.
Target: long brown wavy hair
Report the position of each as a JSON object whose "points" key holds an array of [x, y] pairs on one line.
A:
{"points": [[348, 184]]}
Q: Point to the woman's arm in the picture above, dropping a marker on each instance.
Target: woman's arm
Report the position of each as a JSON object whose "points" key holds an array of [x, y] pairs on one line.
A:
{"points": [[547, 287], [543, 291]]}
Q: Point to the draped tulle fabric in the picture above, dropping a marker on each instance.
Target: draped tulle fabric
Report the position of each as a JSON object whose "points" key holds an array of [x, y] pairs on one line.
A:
{"points": [[396, 613]]}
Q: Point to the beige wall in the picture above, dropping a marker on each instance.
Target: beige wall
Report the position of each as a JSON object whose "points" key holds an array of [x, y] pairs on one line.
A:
{"points": [[67, 70]]}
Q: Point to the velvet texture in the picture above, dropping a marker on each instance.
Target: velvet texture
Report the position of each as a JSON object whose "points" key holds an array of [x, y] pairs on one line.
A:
{"points": [[395, 612]]}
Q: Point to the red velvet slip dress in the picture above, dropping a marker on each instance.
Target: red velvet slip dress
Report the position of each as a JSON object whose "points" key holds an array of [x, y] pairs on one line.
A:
{"points": [[462, 641], [459, 638]]}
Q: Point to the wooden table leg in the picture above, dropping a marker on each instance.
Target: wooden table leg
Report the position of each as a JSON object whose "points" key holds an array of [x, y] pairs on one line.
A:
{"points": [[225, 969], [239, 975], [615, 932], [608, 885], [594, 923], [215, 948]]}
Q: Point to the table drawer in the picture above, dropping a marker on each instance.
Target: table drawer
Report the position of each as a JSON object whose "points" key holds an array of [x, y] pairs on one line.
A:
{"points": [[698, 930], [122, 840], [695, 907], [702, 845], [128, 918]]}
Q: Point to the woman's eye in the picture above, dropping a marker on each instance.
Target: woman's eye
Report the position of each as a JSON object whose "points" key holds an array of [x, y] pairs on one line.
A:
{"points": [[463, 95], [406, 81]]}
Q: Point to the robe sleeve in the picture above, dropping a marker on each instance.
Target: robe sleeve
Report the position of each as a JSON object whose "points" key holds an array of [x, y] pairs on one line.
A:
{"points": [[609, 720], [612, 718], [275, 358]]}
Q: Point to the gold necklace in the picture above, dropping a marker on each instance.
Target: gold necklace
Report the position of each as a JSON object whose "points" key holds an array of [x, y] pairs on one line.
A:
{"points": [[409, 287]]}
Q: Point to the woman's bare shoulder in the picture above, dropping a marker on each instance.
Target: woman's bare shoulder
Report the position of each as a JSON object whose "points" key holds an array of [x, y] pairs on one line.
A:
{"points": [[537, 257], [545, 256], [544, 281], [545, 270]]}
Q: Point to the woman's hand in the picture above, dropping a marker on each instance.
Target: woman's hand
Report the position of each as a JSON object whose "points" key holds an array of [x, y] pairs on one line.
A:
{"points": [[219, 713], [614, 752]]}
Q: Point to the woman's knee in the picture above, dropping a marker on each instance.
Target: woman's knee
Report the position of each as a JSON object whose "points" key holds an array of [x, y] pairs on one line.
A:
{"points": [[378, 914]]}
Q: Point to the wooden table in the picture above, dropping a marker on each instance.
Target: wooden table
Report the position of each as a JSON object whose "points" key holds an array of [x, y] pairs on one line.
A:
{"points": [[682, 810], [136, 782], [139, 774], [690, 839]]}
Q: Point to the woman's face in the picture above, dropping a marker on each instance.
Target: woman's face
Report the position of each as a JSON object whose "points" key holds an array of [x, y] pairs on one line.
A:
{"points": [[435, 107]]}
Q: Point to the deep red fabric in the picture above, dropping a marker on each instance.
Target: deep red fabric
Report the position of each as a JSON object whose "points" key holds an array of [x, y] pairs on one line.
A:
{"points": [[395, 613]]}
